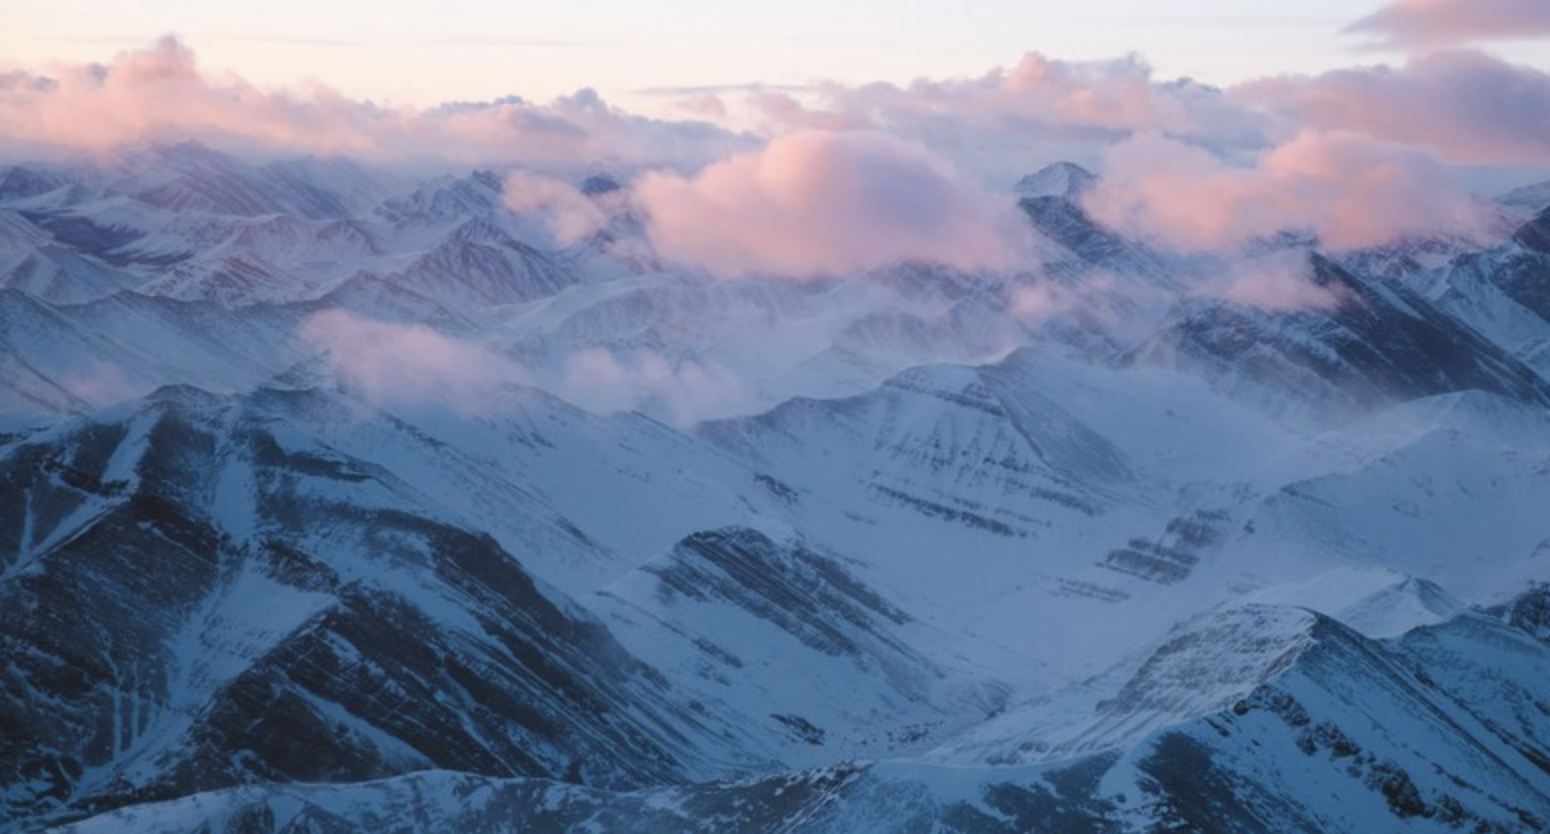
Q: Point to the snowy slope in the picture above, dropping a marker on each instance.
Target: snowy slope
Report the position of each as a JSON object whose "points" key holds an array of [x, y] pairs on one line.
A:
{"points": [[1296, 752], [315, 618]]}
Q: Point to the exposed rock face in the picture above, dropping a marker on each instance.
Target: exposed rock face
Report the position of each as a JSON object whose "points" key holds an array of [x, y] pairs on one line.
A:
{"points": [[381, 640]]}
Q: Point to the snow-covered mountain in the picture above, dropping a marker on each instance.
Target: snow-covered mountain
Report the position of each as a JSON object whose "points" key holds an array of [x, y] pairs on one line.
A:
{"points": [[1534, 197], [332, 500]]}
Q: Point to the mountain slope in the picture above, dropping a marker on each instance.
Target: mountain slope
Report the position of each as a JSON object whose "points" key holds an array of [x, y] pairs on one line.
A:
{"points": [[1291, 752], [1380, 343], [315, 619]]}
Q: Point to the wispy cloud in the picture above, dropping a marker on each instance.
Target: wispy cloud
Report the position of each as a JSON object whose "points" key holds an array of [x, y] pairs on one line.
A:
{"points": [[684, 392], [102, 383], [411, 366], [1430, 24], [393, 364]]}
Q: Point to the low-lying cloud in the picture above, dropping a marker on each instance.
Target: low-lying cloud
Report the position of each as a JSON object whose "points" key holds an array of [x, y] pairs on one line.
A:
{"points": [[818, 203], [1276, 283], [682, 393], [391, 364], [412, 366], [569, 215], [1348, 189]]}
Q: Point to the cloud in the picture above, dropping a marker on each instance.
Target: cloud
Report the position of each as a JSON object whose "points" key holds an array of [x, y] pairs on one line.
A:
{"points": [[818, 203], [1350, 190], [394, 365], [601, 381], [409, 365], [1470, 107], [1429, 24], [1275, 283], [1012, 119], [159, 94], [569, 215], [101, 383], [1035, 304], [708, 105], [1038, 93]]}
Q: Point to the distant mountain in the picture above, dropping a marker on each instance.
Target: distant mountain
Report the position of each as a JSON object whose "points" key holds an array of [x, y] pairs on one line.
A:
{"points": [[1532, 198]]}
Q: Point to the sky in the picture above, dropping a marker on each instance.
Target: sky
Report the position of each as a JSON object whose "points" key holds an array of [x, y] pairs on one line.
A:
{"points": [[397, 52]]}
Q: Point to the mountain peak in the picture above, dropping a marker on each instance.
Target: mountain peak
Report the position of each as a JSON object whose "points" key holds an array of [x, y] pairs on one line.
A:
{"points": [[599, 184], [1066, 180]]}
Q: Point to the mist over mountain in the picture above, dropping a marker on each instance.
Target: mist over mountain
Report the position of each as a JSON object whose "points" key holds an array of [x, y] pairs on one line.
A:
{"points": [[1058, 450]]}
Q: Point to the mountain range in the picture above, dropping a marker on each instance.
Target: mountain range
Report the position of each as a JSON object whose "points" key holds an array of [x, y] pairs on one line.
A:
{"points": [[334, 498]]}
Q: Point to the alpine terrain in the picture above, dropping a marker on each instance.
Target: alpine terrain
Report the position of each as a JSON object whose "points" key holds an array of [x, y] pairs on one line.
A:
{"points": [[338, 496]]}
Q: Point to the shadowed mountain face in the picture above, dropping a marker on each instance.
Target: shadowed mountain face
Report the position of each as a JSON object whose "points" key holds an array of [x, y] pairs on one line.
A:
{"points": [[1535, 234], [331, 501], [1380, 343], [350, 633], [1285, 748]]}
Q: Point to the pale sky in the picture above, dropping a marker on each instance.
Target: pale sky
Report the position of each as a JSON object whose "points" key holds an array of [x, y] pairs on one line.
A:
{"points": [[422, 53]]}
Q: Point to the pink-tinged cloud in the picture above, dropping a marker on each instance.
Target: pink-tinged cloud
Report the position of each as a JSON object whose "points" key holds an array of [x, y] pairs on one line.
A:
{"points": [[1470, 107], [1428, 24], [1275, 283], [569, 215], [1037, 92], [816, 203], [1011, 120], [392, 364], [1350, 190], [159, 94]]}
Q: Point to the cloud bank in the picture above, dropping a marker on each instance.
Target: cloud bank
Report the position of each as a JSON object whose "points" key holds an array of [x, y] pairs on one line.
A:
{"points": [[845, 178], [1468, 107], [159, 94], [1430, 24], [1010, 120], [820, 203], [1350, 190]]}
